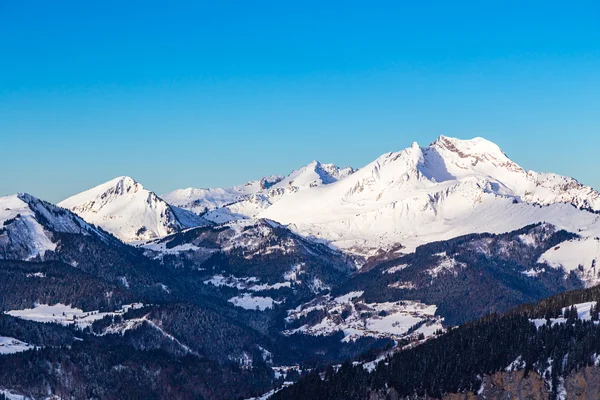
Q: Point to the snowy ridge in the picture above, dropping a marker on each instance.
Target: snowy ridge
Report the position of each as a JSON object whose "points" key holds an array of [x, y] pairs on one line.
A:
{"points": [[27, 225], [247, 201], [124, 208], [418, 195], [201, 200]]}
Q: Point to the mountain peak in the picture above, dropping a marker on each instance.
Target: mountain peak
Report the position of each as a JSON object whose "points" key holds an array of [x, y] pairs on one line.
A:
{"points": [[123, 184], [24, 196], [423, 194], [477, 155], [124, 208], [28, 226], [476, 143]]}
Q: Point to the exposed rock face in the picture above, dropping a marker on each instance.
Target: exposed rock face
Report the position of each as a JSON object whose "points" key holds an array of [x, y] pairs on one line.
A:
{"points": [[582, 385], [512, 385]]}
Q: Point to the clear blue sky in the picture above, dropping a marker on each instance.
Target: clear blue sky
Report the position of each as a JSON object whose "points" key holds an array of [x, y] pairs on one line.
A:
{"points": [[202, 94]]}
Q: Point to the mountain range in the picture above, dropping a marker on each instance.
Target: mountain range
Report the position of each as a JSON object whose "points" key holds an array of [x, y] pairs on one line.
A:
{"points": [[266, 281], [401, 200]]}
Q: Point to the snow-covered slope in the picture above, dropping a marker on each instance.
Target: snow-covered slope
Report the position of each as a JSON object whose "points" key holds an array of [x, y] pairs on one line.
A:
{"points": [[312, 175], [450, 188], [580, 256], [28, 225], [124, 208], [201, 200]]}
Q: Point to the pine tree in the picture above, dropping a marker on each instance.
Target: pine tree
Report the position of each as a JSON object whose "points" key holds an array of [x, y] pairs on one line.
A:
{"points": [[594, 311], [573, 314]]}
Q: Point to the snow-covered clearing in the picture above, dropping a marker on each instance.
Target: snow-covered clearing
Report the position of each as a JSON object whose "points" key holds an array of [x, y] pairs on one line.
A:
{"points": [[65, 314]]}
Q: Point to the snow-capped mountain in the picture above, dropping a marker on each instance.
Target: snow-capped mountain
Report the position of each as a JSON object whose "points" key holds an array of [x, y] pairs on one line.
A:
{"points": [[312, 175], [28, 226], [251, 298], [124, 208], [447, 189]]}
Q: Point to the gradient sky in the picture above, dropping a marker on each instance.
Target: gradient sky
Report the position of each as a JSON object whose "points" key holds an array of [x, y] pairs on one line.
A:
{"points": [[203, 94]]}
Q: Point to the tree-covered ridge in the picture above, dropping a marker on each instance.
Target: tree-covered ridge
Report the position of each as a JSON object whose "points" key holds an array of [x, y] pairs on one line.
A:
{"points": [[189, 325], [458, 360], [470, 276]]}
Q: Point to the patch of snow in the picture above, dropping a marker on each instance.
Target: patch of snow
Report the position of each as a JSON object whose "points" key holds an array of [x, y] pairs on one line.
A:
{"points": [[124, 281], [247, 283], [396, 268], [402, 285], [13, 396], [270, 393], [516, 365], [317, 286], [161, 247], [10, 345], [446, 264], [532, 272], [579, 255], [250, 302], [36, 275], [357, 319], [583, 313], [65, 314], [294, 273], [348, 296]]}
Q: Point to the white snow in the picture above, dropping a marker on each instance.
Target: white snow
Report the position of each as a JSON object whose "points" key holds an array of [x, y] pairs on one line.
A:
{"points": [[516, 365], [395, 269], [161, 248], [583, 310], [372, 365], [124, 208], [246, 201], [13, 396], [348, 296], [356, 318], [270, 393], [246, 283], [201, 200], [36, 275], [532, 273], [250, 302], [419, 195], [10, 345], [32, 234], [527, 239], [402, 285], [579, 255], [294, 273], [445, 265], [23, 236], [583, 313], [310, 176], [65, 314]]}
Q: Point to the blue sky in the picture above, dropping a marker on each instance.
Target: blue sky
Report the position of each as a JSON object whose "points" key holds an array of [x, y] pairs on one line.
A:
{"points": [[202, 94]]}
